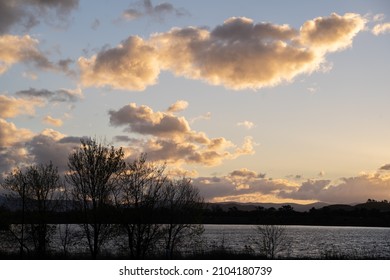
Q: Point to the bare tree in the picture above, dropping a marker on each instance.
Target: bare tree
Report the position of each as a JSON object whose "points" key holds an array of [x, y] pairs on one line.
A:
{"points": [[141, 185], [93, 169], [35, 187], [271, 239], [183, 206]]}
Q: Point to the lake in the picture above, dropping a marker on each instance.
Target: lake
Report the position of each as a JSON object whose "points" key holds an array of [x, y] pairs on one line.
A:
{"points": [[308, 241]]}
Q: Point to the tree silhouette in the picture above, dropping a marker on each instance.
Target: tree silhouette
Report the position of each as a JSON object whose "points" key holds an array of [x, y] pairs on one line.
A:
{"points": [[271, 239], [183, 204], [36, 187], [141, 184], [93, 170]]}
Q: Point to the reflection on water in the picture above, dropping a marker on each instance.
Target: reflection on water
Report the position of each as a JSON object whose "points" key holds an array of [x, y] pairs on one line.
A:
{"points": [[315, 242], [310, 241]]}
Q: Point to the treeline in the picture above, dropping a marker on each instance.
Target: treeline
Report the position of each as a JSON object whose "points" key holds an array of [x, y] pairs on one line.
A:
{"points": [[108, 198], [372, 213]]}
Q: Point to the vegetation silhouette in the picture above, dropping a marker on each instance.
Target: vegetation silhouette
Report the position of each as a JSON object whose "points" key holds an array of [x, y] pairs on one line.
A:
{"points": [[93, 172], [36, 187]]}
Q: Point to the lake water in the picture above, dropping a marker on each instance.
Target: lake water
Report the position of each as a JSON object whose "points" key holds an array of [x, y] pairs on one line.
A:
{"points": [[309, 241]]}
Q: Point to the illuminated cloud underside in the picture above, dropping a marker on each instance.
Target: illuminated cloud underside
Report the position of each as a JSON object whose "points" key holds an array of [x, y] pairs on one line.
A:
{"points": [[167, 137], [247, 186]]}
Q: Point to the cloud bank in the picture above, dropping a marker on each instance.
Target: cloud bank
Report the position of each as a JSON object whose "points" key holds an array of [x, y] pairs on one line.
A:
{"points": [[239, 54], [248, 186]]}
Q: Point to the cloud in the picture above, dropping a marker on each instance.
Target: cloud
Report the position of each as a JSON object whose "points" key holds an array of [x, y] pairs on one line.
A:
{"points": [[19, 147], [382, 28], [10, 134], [240, 188], [12, 148], [246, 124], [239, 54], [51, 145], [243, 178], [385, 167], [146, 8], [246, 186], [61, 95], [246, 173], [167, 137], [52, 121], [95, 24], [349, 190], [16, 49], [206, 116], [378, 17], [28, 13], [11, 107], [24, 49], [333, 33], [132, 65], [144, 120], [178, 106]]}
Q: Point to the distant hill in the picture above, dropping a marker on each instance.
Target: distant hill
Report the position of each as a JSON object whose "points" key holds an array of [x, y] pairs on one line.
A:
{"points": [[225, 206], [252, 206]]}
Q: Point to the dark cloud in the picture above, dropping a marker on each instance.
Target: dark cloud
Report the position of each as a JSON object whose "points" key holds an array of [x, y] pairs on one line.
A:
{"points": [[19, 146], [143, 120], [245, 173], [28, 13], [70, 140], [53, 146], [61, 95], [385, 167], [146, 8], [122, 138]]}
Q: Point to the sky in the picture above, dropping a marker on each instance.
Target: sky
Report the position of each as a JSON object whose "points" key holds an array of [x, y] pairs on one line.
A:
{"points": [[256, 101]]}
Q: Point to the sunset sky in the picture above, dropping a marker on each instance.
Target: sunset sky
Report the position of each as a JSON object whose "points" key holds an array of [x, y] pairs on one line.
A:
{"points": [[256, 101]]}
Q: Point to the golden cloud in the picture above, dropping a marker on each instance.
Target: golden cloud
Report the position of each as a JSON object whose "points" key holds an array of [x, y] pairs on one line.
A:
{"points": [[11, 107], [11, 135], [132, 65], [245, 186], [170, 138], [15, 49], [381, 28], [333, 33], [52, 121], [238, 54]]}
